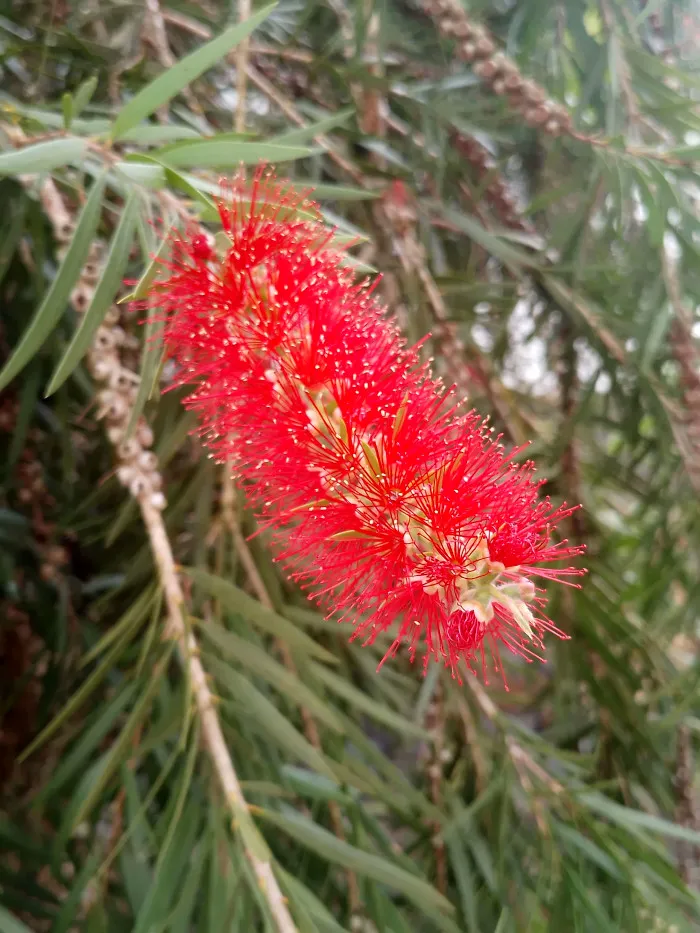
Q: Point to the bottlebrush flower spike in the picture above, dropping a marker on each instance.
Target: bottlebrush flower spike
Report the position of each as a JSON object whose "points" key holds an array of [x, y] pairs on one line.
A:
{"points": [[393, 508]]}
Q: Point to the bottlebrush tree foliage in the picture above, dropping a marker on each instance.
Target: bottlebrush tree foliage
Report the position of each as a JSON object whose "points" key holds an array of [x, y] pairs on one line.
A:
{"points": [[207, 469]]}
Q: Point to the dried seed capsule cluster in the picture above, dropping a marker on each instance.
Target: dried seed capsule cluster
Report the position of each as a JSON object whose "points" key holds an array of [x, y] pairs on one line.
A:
{"points": [[496, 190], [475, 45], [108, 358]]}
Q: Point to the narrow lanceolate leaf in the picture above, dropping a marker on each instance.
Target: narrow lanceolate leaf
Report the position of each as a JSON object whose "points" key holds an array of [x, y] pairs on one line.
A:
{"points": [[636, 820], [67, 105], [83, 95], [304, 134], [302, 897], [146, 175], [10, 923], [264, 717], [218, 153], [120, 749], [42, 157], [515, 259], [379, 869], [266, 619], [55, 299], [259, 662], [171, 82], [151, 351], [76, 700], [72, 763], [367, 704], [105, 293], [155, 134]]}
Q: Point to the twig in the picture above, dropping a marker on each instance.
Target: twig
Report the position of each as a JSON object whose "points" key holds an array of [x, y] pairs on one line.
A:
{"points": [[242, 68], [290, 111]]}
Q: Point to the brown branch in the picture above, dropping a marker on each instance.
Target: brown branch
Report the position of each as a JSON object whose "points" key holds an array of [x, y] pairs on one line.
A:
{"points": [[500, 73]]}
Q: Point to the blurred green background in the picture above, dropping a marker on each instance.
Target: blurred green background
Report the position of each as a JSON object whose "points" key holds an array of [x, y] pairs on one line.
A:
{"points": [[546, 235]]}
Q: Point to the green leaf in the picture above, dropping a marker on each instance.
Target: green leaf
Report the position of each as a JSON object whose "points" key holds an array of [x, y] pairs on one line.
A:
{"points": [[76, 700], [379, 869], [305, 134], [192, 186], [151, 348], [105, 293], [168, 881], [588, 848], [43, 157], [315, 786], [120, 749], [265, 718], [13, 234], [185, 783], [634, 820], [56, 297], [67, 106], [217, 153], [182, 914], [342, 687], [259, 662], [148, 176], [515, 259], [10, 924], [156, 134], [299, 894], [266, 619], [503, 921], [28, 399], [331, 192], [123, 630], [91, 736], [172, 81], [71, 906], [464, 877], [83, 95]]}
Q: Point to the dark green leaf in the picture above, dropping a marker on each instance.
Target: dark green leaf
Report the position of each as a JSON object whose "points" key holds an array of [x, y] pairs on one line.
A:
{"points": [[56, 297]]}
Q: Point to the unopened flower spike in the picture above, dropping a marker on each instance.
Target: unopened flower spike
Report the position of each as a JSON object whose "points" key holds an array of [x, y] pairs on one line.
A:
{"points": [[391, 507]]}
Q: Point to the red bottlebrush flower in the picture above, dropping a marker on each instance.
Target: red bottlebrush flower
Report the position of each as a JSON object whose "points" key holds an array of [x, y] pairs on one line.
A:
{"points": [[394, 509]]}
